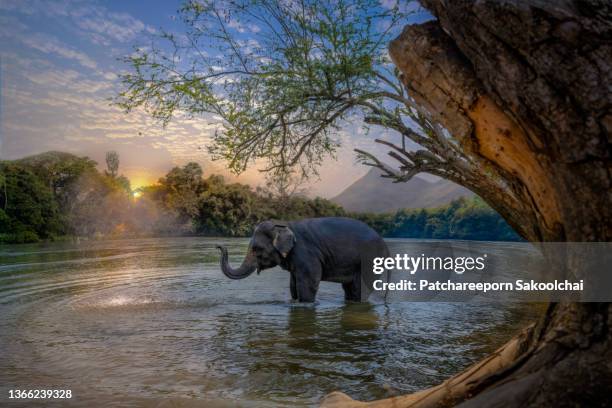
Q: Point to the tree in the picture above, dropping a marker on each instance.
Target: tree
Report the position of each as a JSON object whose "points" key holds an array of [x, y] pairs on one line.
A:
{"points": [[56, 193], [284, 90], [112, 164], [283, 189], [463, 218], [284, 185], [228, 210], [32, 212], [180, 190], [62, 172], [3, 182]]}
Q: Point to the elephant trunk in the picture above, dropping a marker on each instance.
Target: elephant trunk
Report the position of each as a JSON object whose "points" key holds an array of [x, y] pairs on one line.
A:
{"points": [[249, 265]]}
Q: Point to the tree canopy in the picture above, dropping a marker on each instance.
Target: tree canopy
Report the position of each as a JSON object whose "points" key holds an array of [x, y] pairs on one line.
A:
{"points": [[281, 76], [54, 194]]}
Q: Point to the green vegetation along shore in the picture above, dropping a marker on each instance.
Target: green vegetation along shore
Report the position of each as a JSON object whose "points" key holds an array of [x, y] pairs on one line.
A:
{"points": [[58, 195]]}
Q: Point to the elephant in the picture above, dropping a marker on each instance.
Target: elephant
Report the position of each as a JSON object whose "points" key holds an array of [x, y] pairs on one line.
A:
{"points": [[313, 250]]}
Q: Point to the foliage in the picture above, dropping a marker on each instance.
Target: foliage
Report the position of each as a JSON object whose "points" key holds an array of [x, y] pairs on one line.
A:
{"points": [[469, 219], [112, 163], [283, 76], [101, 208], [56, 194], [229, 209], [61, 172], [30, 211], [180, 189]]}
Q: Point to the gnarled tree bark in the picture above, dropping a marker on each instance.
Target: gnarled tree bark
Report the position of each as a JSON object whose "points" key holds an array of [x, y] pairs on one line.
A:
{"points": [[523, 87]]}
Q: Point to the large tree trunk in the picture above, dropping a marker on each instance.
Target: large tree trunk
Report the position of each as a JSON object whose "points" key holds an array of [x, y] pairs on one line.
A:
{"points": [[525, 86]]}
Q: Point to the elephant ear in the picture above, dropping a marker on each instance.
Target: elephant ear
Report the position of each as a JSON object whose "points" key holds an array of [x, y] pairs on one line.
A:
{"points": [[283, 239]]}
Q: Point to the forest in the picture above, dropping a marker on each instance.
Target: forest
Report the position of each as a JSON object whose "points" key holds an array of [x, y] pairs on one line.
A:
{"points": [[56, 196]]}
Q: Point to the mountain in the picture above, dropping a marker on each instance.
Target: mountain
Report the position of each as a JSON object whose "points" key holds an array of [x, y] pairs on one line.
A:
{"points": [[372, 193]]}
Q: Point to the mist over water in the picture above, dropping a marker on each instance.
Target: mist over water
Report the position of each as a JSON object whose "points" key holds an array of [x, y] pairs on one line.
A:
{"points": [[153, 322]]}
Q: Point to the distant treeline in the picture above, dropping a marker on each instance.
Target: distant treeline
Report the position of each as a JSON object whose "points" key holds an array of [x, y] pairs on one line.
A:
{"points": [[464, 218], [57, 195]]}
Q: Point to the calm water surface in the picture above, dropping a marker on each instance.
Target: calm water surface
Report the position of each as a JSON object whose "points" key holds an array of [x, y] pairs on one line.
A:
{"points": [[153, 322]]}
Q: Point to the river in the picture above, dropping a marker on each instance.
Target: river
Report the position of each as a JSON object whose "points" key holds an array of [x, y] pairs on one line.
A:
{"points": [[153, 322]]}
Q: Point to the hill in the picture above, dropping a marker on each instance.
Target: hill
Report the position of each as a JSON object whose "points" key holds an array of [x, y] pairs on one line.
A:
{"points": [[372, 193]]}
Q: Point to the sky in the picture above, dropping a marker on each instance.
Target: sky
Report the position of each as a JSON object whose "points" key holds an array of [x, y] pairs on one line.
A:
{"points": [[59, 68]]}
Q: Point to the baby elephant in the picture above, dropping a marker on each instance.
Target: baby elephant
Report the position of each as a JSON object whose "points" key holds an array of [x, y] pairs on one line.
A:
{"points": [[329, 249]]}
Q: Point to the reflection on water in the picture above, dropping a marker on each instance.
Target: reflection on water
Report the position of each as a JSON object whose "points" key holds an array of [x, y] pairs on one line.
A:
{"points": [[153, 322]]}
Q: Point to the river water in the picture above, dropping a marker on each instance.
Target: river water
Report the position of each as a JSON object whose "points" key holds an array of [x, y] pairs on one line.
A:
{"points": [[153, 322]]}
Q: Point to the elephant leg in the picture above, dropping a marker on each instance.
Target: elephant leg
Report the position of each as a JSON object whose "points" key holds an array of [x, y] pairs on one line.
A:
{"points": [[308, 277], [292, 287], [359, 289], [352, 292], [307, 290]]}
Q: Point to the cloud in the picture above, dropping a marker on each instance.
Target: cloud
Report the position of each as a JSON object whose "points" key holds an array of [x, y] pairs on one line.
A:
{"points": [[50, 45], [12, 30], [9, 26], [105, 26], [110, 76], [243, 27], [97, 23]]}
